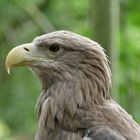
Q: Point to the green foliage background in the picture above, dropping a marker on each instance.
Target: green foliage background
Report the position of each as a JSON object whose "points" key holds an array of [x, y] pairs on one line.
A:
{"points": [[22, 20]]}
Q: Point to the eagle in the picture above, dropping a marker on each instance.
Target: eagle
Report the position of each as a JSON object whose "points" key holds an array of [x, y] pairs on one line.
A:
{"points": [[75, 101]]}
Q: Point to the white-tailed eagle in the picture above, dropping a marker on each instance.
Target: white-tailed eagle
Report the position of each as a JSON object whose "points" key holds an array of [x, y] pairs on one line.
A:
{"points": [[75, 103]]}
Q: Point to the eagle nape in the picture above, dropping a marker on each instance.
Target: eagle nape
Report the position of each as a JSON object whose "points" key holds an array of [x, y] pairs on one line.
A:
{"points": [[75, 102]]}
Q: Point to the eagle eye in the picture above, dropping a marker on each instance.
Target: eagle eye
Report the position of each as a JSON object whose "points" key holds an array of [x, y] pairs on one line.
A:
{"points": [[54, 48]]}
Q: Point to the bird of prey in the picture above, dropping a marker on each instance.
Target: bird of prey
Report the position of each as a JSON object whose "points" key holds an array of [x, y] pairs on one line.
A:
{"points": [[75, 102]]}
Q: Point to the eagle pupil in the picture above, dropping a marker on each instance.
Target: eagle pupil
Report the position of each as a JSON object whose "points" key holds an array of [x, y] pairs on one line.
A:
{"points": [[54, 48]]}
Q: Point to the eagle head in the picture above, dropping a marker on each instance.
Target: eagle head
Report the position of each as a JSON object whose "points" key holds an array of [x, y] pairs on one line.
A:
{"points": [[73, 70]]}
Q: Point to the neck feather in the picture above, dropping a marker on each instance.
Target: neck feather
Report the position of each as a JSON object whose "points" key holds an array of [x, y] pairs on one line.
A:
{"points": [[74, 90]]}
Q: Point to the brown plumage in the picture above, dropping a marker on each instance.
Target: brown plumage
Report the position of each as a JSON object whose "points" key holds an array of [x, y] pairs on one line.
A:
{"points": [[75, 103]]}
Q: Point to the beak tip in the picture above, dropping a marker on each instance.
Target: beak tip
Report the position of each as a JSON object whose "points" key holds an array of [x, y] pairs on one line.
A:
{"points": [[8, 70]]}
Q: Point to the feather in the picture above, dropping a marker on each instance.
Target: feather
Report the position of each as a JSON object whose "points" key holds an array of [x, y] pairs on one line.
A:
{"points": [[79, 80]]}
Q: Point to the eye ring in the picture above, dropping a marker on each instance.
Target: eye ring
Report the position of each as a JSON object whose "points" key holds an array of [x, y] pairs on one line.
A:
{"points": [[54, 48]]}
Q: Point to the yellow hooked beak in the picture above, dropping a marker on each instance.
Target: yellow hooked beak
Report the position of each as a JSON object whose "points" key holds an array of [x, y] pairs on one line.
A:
{"points": [[19, 56]]}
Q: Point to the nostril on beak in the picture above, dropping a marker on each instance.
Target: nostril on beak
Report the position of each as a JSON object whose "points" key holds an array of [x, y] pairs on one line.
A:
{"points": [[26, 49]]}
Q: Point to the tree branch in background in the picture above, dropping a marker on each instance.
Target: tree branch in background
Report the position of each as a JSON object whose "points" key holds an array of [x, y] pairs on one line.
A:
{"points": [[105, 21], [37, 16]]}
